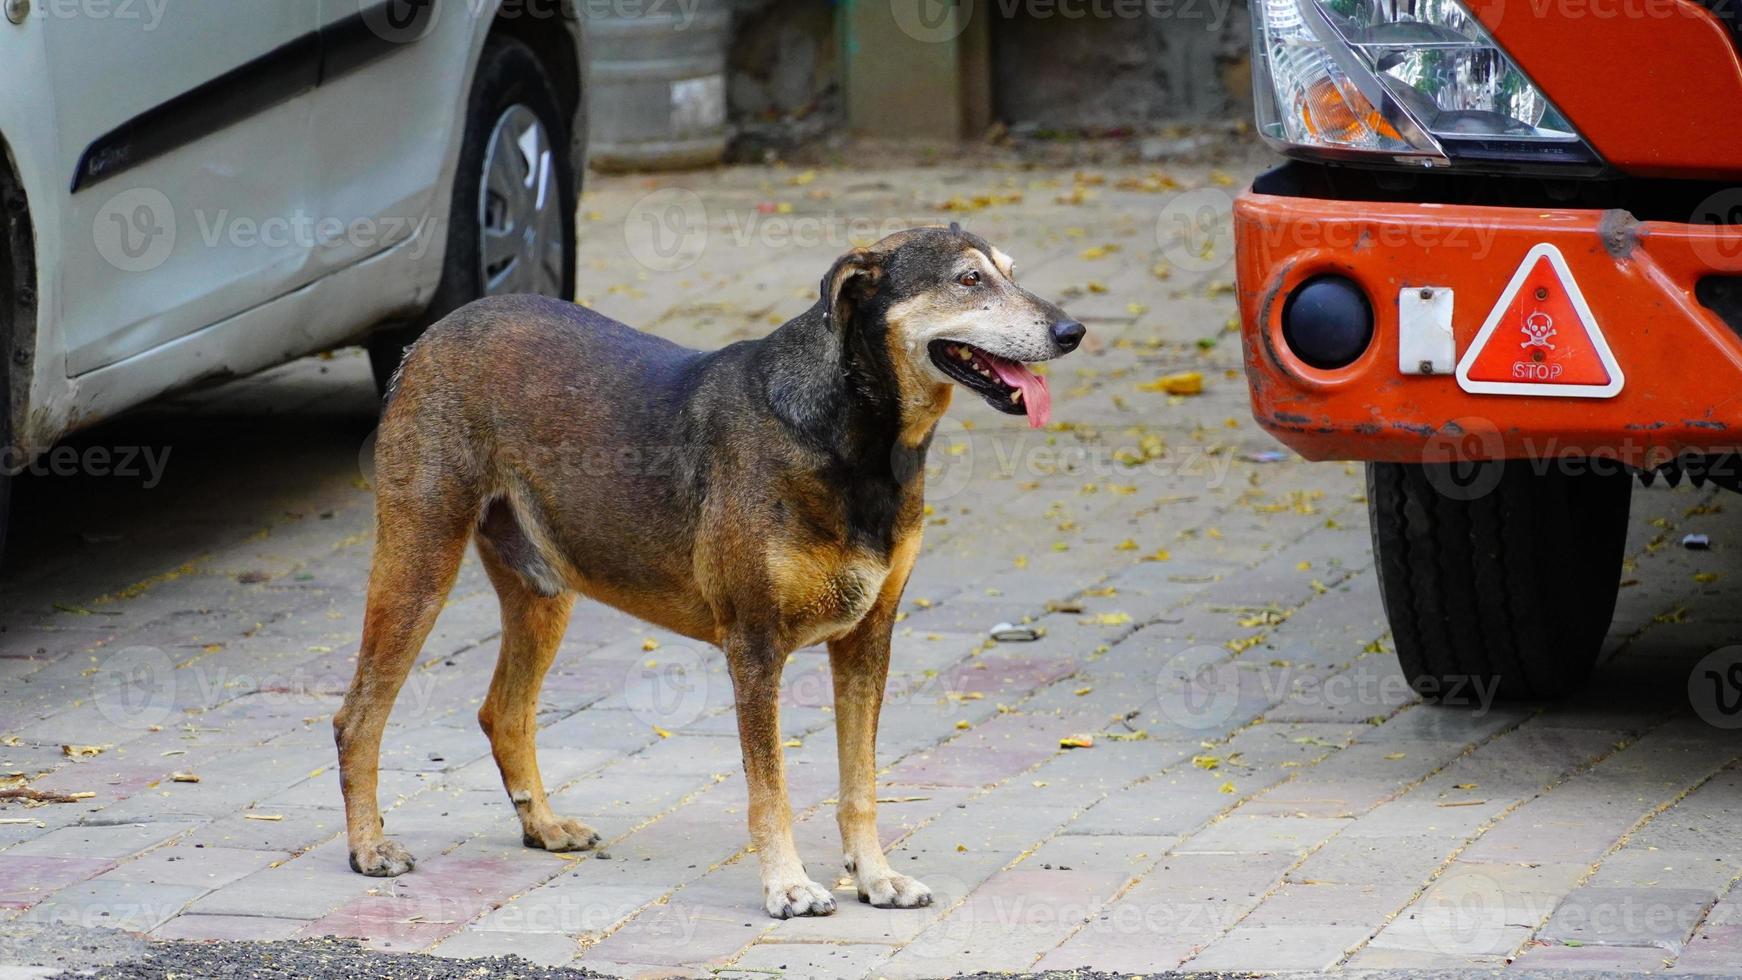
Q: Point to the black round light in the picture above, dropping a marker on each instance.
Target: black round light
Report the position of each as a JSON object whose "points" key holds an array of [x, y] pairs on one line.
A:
{"points": [[1327, 322]]}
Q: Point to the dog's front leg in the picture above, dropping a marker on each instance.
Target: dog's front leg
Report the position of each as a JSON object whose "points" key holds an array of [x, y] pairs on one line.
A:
{"points": [[787, 891], [859, 663]]}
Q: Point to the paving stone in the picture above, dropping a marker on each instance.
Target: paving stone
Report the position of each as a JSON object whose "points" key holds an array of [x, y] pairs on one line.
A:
{"points": [[1713, 949], [229, 928], [1610, 916], [196, 867], [112, 843], [1186, 903], [806, 960], [1632, 960], [130, 906], [680, 935], [27, 879], [544, 949], [1008, 922]]}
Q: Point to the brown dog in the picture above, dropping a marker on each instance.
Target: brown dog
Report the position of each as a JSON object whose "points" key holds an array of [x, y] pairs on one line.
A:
{"points": [[785, 510]]}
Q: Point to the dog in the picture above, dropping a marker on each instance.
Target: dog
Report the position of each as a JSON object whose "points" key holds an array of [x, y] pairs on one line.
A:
{"points": [[786, 512]]}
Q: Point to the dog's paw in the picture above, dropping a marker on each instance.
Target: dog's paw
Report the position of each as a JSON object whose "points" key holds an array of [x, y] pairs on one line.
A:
{"points": [[382, 859], [561, 835], [893, 891], [786, 900]]}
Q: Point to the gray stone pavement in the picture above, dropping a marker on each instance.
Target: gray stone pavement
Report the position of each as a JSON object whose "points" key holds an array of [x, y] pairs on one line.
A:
{"points": [[1295, 809]]}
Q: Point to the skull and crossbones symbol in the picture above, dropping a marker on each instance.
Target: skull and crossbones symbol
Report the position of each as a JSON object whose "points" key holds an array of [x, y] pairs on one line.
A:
{"points": [[1538, 328]]}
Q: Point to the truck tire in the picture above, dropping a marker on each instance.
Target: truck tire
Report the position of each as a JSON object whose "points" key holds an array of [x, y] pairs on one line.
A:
{"points": [[511, 94], [1502, 588]]}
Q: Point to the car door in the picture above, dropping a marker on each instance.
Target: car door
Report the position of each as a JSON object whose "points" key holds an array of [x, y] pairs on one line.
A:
{"points": [[391, 98], [183, 133]]}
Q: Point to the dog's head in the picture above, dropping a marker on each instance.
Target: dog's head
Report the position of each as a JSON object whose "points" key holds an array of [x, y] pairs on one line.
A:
{"points": [[947, 309]]}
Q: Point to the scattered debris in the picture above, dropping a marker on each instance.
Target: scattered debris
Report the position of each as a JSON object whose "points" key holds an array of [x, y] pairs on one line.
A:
{"points": [[1014, 633], [1077, 742], [1697, 542]]}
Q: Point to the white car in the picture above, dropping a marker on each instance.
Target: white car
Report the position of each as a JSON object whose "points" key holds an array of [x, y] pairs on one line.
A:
{"points": [[193, 190]]}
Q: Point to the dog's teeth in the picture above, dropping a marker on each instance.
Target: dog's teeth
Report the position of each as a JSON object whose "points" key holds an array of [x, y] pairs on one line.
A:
{"points": [[964, 354], [1016, 396]]}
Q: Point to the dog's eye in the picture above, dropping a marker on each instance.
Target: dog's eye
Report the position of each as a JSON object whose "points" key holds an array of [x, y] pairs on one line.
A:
{"points": [[969, 278]]}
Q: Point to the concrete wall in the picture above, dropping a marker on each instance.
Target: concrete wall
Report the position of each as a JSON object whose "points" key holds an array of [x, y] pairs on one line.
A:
{"points": [[802, 68]]}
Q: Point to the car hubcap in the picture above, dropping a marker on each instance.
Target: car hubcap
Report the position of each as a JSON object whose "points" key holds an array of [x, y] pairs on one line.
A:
{"points": [[519, 211]]}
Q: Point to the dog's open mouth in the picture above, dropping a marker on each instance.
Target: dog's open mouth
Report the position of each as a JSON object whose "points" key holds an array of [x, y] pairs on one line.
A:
{"points": [[1009, 386]]}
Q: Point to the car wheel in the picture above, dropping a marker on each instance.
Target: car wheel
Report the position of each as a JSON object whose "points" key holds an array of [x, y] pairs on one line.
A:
{"points": [[511, 227], [1501, 587]]}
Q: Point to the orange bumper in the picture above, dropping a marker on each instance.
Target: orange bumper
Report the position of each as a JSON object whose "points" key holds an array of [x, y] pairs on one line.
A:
{"points": [[1682, 363]]}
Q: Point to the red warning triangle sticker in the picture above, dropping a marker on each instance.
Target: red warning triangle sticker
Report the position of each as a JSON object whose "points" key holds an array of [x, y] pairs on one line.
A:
{"points": [[1541, 338]]}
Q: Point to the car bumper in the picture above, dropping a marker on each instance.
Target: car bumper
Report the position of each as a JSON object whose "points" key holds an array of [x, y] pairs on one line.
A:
{"points": [[1681, 363]]}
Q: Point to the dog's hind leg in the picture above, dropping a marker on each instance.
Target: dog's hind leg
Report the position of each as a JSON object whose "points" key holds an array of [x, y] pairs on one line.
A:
{"points": [[787, 890], [416, 559], [532, 627]]}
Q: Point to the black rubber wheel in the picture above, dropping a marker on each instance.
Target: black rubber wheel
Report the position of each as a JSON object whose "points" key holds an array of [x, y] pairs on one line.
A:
{"points": [[509, 75], [1499, 581]]}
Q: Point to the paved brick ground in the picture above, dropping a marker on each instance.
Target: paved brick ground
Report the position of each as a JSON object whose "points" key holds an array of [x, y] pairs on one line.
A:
{"points": [[1303, 812]]}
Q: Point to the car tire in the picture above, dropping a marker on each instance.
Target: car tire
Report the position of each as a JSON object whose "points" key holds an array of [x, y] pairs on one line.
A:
{"points": [[1501, 586], [510, 77]]}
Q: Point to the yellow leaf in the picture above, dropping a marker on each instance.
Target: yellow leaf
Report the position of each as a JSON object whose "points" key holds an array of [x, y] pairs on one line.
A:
{"points": [[1126, 545], [82, 751], [1226, 788], [963, 725], [650, 644], [1077, 742], [1183, 383], [1207, 761], [662, 733]]}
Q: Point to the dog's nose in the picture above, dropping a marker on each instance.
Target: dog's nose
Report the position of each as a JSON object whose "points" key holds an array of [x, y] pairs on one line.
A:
{"points": [[1068, 334]]}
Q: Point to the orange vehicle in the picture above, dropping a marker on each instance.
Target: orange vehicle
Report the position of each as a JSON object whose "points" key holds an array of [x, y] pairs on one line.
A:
{"points": [[1503, 266]]}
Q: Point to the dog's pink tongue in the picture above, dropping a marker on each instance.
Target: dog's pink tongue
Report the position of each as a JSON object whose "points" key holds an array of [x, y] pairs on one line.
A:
{"points": [[1036, 400]]}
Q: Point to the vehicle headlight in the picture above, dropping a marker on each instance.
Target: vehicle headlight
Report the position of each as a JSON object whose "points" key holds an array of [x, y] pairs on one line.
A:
{"points": [[1420, 81]]}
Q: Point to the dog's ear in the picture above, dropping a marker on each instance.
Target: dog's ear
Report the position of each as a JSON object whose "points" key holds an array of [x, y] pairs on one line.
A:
{"points": [[851, 280]]}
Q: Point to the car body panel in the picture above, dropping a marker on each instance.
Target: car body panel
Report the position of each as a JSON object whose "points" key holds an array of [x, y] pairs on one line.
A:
{"points": [[175, 242], [325, 296], [1655, 86], [1683, 364]]}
